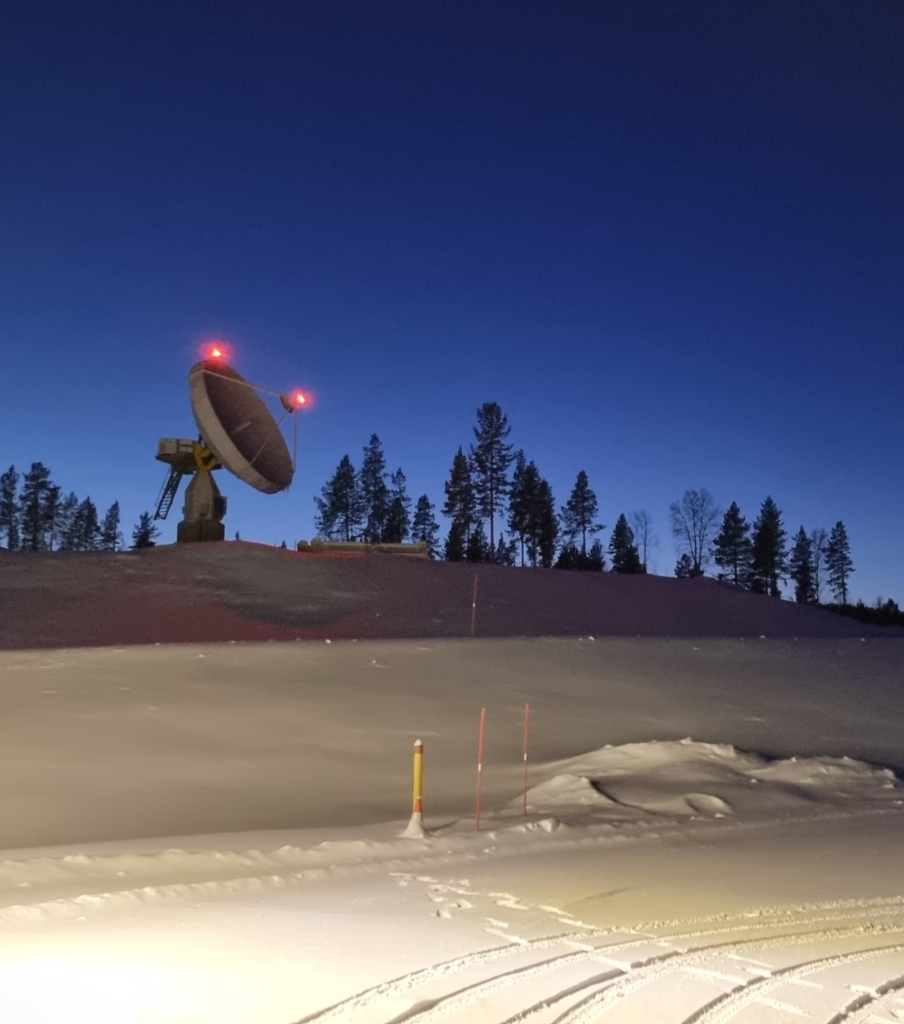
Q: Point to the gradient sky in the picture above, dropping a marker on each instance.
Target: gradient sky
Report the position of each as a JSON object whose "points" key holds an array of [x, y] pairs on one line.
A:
{"points": [[666, 238]]}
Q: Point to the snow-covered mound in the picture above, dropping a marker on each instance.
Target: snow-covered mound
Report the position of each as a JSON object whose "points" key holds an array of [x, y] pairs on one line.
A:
{"points": [[683, 779]]}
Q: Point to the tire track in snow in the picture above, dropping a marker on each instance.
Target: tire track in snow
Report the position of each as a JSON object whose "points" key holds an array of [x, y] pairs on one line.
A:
{"points": [[866, 1002], [725, 1007]]}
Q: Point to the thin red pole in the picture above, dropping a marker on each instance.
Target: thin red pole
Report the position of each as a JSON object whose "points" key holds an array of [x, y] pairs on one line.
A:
{"points": [[526, 734], [480, 736], [474, 607]]}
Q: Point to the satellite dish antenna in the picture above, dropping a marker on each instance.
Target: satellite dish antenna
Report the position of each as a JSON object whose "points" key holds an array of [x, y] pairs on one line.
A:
{"points": [[238, 432]]}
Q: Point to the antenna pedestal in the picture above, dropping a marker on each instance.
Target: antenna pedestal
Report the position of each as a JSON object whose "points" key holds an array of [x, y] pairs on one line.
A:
{"points": [[203, 510]]}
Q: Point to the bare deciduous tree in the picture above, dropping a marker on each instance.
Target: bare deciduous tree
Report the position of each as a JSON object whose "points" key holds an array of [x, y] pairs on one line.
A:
{"points": [[695, 521], [646, 540]]}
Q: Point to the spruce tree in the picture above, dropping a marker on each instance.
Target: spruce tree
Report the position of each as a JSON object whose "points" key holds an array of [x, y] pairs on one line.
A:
{"points": [[145, 534], [506, 551], [50, 514], [625, 557], [596, 560], [819, 540], [685, 568], [66, 522], [9, 508], [546, 524], [460, 505], [398, 516], [85, 528], [522, 494], [455, 545], [731, 549], [800, 568], [478, 548], [838, 562], [490, 460], [768, 564], [579, 513], [32, 521], [340, 508], [424, 527], [374, 492], [110, 537]]}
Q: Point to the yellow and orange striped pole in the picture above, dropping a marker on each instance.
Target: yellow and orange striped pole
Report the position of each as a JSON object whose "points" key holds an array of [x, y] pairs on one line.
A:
{"points": [[416, 825]]}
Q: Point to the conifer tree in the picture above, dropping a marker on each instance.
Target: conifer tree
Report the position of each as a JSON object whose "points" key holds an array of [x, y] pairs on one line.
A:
{"points": [[522, 496], [768, 564], [145, 534], [374, 492], [85, 528], [506, 553], [9, 508], [731, 548], [50, 514], [596, 560], [398, 516], [694, 520], [340, 509], [66, 521], [546, 525], [32, 521], [424, 527], [838, 562], [625, 557], [819, 540], [579, 514], [685, 568], [460, 505], [478, 548], [800, 568], [110, 537], [456, 544], [490, 461]]}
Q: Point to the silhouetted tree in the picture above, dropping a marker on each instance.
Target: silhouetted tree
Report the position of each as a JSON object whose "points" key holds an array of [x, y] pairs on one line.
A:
{"points": [[66, 521], [460, 505], [819, 540], [85, 528], [694, 522], [731, 548], [545, 525], [800, 568], [596, 560], [32, 521], [579, 514], [838, 562], [110, 537], [768, 564], [398, 518], [145, 534], [373, 490], [340, 510], [9, 508], [644, 537], [490, 460], [424, 527], [685, 568], [505, 552], [522, 500], [50, 514], [456, 544], [478, 549], [625, 557]]}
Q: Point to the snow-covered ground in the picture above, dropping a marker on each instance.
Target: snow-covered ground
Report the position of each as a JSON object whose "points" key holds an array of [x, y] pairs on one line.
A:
{"points": [[217, 838]]}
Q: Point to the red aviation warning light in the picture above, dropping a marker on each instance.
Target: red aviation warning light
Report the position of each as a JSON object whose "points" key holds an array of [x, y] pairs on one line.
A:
{"points": [[300, 398], [295, 401], [215, 351]]}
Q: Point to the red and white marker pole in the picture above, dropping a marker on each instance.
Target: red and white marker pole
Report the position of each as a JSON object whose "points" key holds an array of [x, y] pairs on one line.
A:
{"points": [[474, 607], [526, 735], [480, 737]]}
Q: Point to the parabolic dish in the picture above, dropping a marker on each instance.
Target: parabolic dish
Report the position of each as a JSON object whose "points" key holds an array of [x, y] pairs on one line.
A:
{"points": [[238, 428]]}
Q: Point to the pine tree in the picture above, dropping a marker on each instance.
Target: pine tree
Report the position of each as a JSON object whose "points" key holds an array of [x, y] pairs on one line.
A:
{"points": [[800, 568], [506, 553], [398, 517], [819, 540], [31, 507], [50, 515], [145, 534], [768, 564], [625, 557], [66, 522], [490, 459], [596, 560], [685, 568], [424, 527], [731, 548], [9, 508], [580, 512], [340, 508], [85, 528], [110, 537], [374, 492], [838, 562], [478, 548], [546, 525], [455, 546], [522, 498], [460, 505]]}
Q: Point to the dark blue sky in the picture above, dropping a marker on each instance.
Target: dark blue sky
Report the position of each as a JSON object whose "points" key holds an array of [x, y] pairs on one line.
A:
{"points": [[666, 238]]}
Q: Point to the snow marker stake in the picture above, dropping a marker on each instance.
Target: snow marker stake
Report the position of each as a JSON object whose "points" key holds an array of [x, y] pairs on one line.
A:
{"points": [[474, 607], [415, 828], [480, 737], [526, 733]]}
